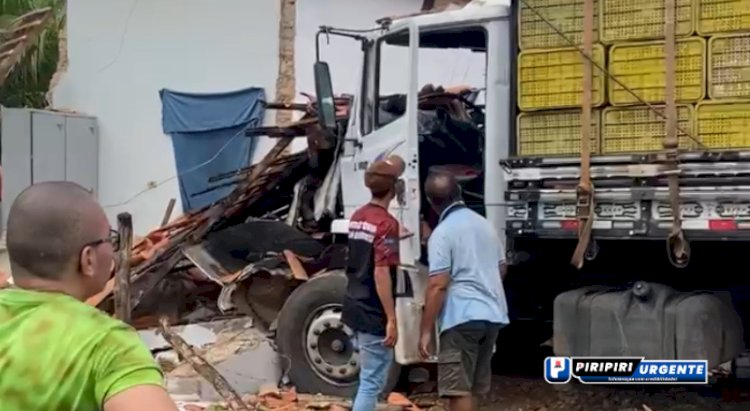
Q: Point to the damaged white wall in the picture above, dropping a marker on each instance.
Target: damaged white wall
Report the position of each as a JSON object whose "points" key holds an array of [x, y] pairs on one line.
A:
{"points": [[122, 52]]}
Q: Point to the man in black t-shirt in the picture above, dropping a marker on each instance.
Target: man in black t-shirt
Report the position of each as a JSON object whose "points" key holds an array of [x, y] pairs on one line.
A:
{"points": [[369, 307]]}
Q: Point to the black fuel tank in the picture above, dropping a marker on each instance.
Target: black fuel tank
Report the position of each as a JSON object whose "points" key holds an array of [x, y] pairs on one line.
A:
{"points": [[650, 320]]}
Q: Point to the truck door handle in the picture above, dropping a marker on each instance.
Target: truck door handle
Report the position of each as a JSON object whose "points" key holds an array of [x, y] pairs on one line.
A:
{"points": [[354, 141]]}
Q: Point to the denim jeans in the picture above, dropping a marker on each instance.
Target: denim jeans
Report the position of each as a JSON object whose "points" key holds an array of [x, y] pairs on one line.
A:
{"points": [[375, 360]]}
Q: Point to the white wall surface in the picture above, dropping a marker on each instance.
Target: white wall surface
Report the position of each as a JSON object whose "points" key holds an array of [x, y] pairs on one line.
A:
{"points": [[122, 52], [344, 56]]}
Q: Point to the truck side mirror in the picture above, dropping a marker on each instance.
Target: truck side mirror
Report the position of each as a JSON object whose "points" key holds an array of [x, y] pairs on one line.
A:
{"points": [[324, 95]]}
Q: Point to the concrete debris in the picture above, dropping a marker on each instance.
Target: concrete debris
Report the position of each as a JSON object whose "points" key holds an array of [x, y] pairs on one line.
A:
{"points": [[203, 367], [238, 351]]}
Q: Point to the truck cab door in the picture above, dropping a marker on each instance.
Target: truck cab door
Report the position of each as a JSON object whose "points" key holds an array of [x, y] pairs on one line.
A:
{"points": [[386, 125]]}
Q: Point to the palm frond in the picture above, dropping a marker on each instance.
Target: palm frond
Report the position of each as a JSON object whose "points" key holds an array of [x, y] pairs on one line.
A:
{"points": [[27, 83]]}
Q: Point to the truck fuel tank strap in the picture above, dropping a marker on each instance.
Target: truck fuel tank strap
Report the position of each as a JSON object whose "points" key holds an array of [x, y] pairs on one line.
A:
{"points": [[678, 251], [585, 190]]}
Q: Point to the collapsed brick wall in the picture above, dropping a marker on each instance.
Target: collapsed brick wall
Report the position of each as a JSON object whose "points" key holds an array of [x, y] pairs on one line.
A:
{"points": [[285, 81]]}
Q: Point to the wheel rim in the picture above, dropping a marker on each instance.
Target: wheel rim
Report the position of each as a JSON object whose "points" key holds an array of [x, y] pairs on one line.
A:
{"points": [[329, 346]]}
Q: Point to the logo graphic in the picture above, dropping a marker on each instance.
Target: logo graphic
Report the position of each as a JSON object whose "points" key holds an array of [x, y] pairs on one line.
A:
{"points": [[557, 370], [624, 370]]}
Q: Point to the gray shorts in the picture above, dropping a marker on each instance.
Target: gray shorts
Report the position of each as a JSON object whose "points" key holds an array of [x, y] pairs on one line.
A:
{"points": [[464, 360]]}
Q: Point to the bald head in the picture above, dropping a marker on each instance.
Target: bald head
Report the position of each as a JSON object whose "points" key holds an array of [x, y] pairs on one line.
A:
{"points": [[48, 225], [442, 190]]}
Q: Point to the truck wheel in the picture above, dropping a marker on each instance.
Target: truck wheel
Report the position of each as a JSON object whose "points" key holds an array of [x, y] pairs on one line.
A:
{"points": [[316, 345]]}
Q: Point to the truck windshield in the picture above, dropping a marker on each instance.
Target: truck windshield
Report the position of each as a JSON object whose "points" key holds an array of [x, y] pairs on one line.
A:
{"points": [[450, 60]]}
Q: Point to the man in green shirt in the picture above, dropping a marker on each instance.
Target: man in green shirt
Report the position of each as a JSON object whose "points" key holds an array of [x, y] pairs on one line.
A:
{"points": [[56, 352]]}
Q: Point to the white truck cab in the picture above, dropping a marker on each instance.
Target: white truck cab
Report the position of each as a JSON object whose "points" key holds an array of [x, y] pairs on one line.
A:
{"points": [[457, 39], [413, 70]]}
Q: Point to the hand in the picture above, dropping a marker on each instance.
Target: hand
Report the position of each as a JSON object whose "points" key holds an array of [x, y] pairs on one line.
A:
{"points": [[391, 333], [424, 345], [425, 231], [404, 233]]}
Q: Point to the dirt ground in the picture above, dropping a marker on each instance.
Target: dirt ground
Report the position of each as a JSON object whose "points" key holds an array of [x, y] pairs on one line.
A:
{"points": [[528, 394], [523, 394]]}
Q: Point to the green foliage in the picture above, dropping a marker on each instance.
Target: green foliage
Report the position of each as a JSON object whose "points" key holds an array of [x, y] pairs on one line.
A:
{"points": [[29, 81]]}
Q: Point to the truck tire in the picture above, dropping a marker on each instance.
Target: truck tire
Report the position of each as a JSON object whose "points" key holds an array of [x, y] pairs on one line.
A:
{"points": [[315, 344]]}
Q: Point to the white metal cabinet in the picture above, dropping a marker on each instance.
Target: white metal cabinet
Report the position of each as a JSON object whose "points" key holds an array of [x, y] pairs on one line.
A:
{"points": [[39, 145], [82, 152], [47, 146]]}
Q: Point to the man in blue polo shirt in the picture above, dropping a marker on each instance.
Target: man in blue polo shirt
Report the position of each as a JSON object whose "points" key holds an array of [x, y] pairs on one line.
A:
{"points": [[467, 264]]}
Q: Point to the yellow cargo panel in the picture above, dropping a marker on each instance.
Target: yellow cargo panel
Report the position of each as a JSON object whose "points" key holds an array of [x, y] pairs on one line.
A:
{"points": [[554, 133], [723, 125], [639, 129], [550, 79], [722, 16], [565, 15], [729, 66], [641, 67], [628, 20]]}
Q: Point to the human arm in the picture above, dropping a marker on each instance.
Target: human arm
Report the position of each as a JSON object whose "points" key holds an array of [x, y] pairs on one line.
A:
{"points": [[440, 276], [139, 398], [425, 231], [386, 256], [404, 233], [126, 376], [502, 263]]}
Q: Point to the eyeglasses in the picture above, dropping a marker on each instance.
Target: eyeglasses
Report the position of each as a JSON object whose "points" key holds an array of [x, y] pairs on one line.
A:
{"points": [[113, 238]]}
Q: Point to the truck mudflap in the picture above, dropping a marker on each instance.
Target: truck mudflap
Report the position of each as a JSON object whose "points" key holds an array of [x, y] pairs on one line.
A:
{"points": [[650, 320]]}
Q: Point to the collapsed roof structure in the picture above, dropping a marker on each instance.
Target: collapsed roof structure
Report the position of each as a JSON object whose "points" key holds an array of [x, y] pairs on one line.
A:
{"points": [[218, 243]]}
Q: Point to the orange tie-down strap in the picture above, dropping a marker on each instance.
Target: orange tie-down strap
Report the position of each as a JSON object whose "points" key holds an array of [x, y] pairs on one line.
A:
{"points": [[145, 249]]}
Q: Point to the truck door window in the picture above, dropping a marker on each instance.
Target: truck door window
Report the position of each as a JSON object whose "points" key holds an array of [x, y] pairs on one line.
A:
{"points": [[391, 79], [450, 121]]}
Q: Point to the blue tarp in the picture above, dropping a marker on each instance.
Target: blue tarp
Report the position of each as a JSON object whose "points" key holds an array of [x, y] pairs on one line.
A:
{"points": [[208, 137]]}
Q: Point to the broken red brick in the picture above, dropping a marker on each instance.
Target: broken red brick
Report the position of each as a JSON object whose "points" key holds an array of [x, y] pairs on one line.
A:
{"points": [[399, 400]]}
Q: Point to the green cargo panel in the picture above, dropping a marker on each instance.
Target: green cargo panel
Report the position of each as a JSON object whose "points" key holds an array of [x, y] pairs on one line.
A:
{"points": [[628, 20], [641, 67], [553, 79], [565, 15], [554, 133]]}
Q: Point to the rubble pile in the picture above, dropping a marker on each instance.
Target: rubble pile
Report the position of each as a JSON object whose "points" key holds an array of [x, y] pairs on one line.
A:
{"points": [[273, 399], [164, 280]]}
